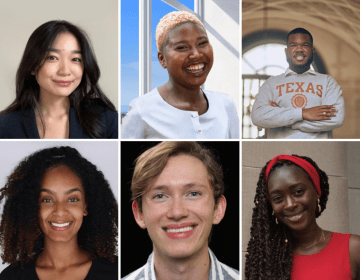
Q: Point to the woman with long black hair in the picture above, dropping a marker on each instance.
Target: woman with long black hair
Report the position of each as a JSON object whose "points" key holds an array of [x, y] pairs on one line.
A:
{"points": [[286, 242], [57, 90]]}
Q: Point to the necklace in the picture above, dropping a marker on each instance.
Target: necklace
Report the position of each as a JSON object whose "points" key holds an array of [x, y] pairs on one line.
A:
{"points": [[322, 237]]}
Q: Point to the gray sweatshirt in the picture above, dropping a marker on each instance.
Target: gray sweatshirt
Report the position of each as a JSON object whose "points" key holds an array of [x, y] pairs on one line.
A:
{"points": [[292, 92]]}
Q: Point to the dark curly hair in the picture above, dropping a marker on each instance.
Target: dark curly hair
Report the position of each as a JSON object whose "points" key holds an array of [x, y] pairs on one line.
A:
{"points": [[268, 255], [20, 235]]}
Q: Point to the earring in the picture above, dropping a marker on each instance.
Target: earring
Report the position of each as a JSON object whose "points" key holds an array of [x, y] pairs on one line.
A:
{"points": [[319, 207], [286, 241], [272, 213], [276, 221]]}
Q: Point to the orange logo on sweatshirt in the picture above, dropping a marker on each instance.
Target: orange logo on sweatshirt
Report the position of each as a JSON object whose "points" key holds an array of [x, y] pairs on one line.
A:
{"points": [[299, 101]]}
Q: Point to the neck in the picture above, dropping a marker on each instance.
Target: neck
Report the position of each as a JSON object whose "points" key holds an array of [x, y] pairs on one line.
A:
{"points": [[54, 106], [61, 254], [196, 266], [300, 69], [307, 237], [184, 94]]}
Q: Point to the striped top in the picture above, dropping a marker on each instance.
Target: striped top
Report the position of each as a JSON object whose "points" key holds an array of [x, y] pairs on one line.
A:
{"points": [[218, 270]]}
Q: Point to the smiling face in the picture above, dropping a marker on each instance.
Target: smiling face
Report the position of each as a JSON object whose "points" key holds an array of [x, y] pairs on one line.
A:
{"points": [[178, 209], [62, 205], [63, 68], [293, 197], [299, 52], [187, 55]]}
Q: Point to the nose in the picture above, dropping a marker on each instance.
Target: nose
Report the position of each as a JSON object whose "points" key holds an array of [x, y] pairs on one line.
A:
{"points": [[60, 210], [178, 209], [195, 53], [290, 203], [64, 68]]}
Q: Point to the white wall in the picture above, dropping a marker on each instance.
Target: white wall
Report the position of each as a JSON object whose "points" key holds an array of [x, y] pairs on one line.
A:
{"points": [[221, 20], [19, 18]]}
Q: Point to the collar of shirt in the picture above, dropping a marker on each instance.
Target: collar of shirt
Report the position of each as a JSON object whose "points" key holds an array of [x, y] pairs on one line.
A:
{"points": [[289, 72], [214, 274]]}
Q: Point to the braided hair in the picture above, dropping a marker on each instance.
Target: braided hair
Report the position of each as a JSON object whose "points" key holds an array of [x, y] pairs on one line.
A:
{"points": [[270, 249], [21, 238]]}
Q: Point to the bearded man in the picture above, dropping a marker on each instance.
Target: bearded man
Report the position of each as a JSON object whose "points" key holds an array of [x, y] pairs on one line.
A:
{"points": [[299, 104]]}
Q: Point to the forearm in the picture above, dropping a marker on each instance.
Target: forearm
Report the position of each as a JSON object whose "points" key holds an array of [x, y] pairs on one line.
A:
{"points": [[267, 116]]}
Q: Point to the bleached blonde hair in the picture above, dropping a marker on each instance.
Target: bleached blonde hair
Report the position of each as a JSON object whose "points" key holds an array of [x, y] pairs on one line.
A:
{"points": [[169, 22]]}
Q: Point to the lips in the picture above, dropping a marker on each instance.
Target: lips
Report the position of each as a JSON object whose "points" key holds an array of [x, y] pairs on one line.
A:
{"points": [[60, 226], [295, 217], [63, 83], [179, 231]]}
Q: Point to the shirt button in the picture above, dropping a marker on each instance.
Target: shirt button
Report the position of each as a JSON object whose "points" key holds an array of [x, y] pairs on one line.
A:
{"points": [[198, 132], [193, 115]]}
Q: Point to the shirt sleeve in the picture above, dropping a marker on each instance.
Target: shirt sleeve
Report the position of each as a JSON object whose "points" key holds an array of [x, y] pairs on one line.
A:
{"points": [[133, 126], [333, 96], [234, 124], [266, 116]]}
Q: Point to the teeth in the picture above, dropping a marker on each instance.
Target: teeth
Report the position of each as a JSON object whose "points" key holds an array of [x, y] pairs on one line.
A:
{"points": [[195, 67], [60, 225], [299, 57], [179, 229]]}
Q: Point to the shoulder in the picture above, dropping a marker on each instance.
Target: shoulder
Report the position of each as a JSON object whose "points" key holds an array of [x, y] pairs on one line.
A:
{"points": [[14, 272], [146, 99], [104, 269], [227, 272], [13, 116], [276, 79], [354, 245], [138, 274], [9, 272], [99, 106], [218, 96]]}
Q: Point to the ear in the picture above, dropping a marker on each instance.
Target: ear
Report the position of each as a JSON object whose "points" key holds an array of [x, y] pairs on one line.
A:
{"points": [[313, 49], [219, 211], [85, 211], [138, 215], [162, 60]]}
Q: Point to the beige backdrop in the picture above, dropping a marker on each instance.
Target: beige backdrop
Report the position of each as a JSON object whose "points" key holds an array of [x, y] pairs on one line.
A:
{"points": [[19, 18], [340, 161]]}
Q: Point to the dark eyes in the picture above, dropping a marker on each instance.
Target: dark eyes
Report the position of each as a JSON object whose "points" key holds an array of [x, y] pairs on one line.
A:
{"points": [[53, 58]]}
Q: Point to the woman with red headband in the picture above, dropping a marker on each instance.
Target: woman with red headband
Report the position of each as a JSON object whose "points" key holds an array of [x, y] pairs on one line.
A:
{"points": [[286, 241]]}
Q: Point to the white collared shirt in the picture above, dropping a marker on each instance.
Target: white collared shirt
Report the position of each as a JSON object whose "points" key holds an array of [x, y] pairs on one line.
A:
{"points": [[218, 270]]}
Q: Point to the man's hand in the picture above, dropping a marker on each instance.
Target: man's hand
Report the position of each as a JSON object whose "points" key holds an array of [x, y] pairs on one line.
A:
{"points": [[325, 112], [273, 103]]}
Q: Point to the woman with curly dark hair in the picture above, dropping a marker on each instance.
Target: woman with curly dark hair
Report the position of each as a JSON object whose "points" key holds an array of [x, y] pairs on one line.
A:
{"points": [[57, 90], [60, 219], [286, 241]]}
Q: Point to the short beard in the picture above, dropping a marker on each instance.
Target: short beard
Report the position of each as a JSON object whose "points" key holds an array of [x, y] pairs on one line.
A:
{"points": [[299, 69]]}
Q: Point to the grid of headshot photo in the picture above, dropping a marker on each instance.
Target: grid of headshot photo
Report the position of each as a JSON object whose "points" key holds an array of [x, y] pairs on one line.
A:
{"points": [[135, 144]]}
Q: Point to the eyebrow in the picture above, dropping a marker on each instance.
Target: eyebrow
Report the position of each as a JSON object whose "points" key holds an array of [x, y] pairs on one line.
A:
{"points": [[186, 186], [291, 187], [67, 192], [185, 41], [58, 50]]}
